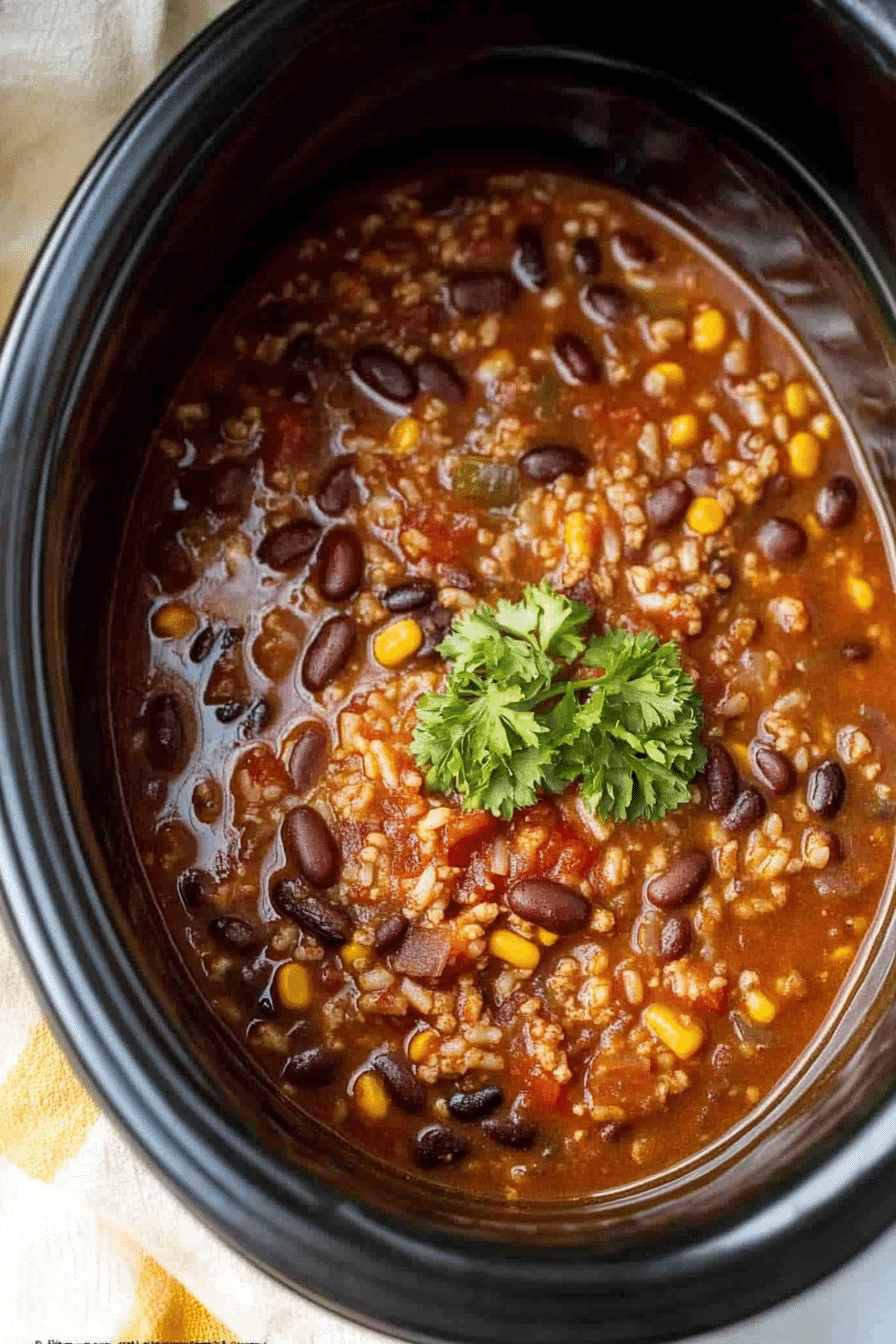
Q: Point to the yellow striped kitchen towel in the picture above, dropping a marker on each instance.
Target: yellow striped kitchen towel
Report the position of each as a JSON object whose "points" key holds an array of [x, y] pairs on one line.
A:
{"points": [[129, 1262]]}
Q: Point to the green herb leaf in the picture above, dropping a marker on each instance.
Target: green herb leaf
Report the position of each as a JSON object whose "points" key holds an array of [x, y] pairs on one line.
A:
{"points": [[512, 722]]}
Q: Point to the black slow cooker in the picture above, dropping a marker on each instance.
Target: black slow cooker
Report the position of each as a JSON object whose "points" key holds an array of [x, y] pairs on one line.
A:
{"points": [[768, 131]]}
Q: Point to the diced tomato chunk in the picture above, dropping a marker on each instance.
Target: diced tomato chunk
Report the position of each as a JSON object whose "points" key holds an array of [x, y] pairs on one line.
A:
{"points": [[543, 1093], [449, 538], [285, 437], [265, 769], [464, 833]]}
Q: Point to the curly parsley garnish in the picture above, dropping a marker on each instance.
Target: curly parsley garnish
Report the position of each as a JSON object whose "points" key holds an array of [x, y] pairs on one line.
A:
{"points": [[517, 717]]}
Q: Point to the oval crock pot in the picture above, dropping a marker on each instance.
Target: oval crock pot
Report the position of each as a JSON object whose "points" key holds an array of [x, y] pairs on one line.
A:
{"points": [[272, 102]]}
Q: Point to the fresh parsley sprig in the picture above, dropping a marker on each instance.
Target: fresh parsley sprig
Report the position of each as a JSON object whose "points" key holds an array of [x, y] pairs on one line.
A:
{"points": [[516, 717]]}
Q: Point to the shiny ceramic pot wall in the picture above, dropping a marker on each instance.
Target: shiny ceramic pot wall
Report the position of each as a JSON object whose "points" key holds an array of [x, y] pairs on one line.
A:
{"points": [[268, 108]]}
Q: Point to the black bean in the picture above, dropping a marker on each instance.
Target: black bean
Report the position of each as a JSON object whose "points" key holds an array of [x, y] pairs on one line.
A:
{"points": [[311, 845], [286, 547], [545, 463], [675, 938], [606, 305], [230, 489], [703, 480], [551, 905], [781, 539], [631, 250], [721, 780], [723, 573], [390, 933], [234, 634], [311, 1068], [856, 651], [475, 1105], [437, 1145], [309, 757], [510, 1130], [258, 716], [435, 623], [681, 881], [202, 645], [166, 738], [340, 564], [298, 387], [830, 838], [610, 1131], [167, 558], [230, 711], [586, 257], [668, 503], [385, 374], [458, 578], [339, 490], [236, 934], [826, 789], [575, 360], [306, 351], [772, 768], [748, 810], [530, 265], [837, 502], [397, 1073], [507, 1011], [194, 887], [440, 379], [476, 293], [325, 919], [409, 596], [328, 652], [779, 486], [223, 490]]}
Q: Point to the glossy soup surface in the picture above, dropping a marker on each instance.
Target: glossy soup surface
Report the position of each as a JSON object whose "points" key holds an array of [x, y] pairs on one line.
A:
{"points": [[446, 390]]}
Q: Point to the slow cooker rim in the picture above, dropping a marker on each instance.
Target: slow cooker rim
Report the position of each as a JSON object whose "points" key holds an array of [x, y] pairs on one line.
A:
{"points": [[34, 915]]}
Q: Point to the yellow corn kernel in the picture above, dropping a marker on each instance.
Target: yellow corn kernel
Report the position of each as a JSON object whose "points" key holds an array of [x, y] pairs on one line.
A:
{"points": [[708, 330], [682, 431], [760, 1007], [804, 452], [370, 1096], [578, 536], [740, 752], [705, 515], [422, 1044], [353, 953], [397, 643], [844, 953], [498, 364], [515, 949], [796, 400], [860, 591], [546, 938], [404, 435], [822, 425], [812, 527], [662, 378], [294, 988], [175, 620], [677, 1031]]}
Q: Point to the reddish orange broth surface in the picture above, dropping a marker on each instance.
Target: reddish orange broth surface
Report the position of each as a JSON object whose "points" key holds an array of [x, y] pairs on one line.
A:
{"points": [[690, 380]]}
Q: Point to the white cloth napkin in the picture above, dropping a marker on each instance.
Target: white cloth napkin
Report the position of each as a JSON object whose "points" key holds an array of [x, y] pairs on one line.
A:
{"points": [[92, 1247]]}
